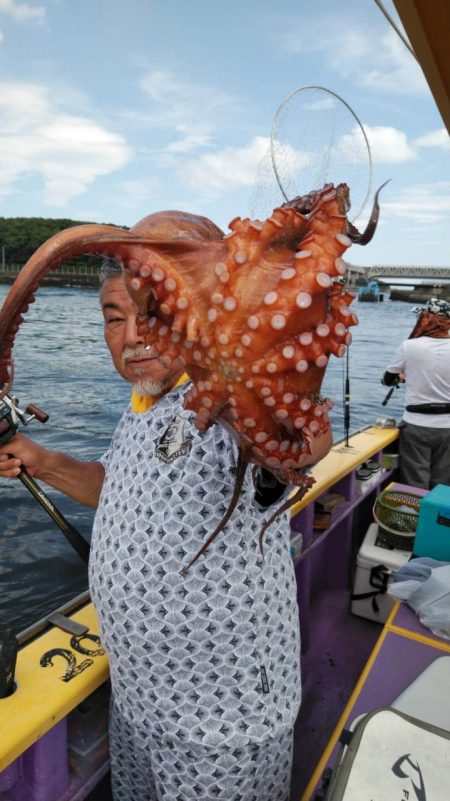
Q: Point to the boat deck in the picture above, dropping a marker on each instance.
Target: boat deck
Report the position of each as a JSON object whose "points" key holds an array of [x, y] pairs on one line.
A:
{"points": [[330, 670], [331, 667]]}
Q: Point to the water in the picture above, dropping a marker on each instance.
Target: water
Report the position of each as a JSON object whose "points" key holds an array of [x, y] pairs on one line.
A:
{"points": [[63, 366]]}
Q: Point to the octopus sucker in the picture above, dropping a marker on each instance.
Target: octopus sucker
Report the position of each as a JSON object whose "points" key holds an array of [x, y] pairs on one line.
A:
{"points": [[255, 314]]}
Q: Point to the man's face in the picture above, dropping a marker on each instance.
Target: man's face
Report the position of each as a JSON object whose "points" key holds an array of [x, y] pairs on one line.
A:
{"points": [[140, 367]]}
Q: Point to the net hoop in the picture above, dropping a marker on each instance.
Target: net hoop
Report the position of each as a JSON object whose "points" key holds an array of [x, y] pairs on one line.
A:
{"points": [[274, 138]]}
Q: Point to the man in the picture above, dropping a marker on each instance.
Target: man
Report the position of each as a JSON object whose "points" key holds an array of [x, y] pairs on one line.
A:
{"points": [[423, 362], [204, 668], [83, 480]]}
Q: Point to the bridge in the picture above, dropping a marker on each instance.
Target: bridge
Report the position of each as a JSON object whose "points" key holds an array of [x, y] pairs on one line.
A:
{"points": [[430, 275]]}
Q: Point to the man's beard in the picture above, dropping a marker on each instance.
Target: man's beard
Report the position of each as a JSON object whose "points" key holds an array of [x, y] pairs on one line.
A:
{"points": [[149, 388], [146, 386]]}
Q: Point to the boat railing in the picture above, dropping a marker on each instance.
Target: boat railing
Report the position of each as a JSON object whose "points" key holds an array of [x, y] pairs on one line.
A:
{"points": [[45, 623], [324, 563]]}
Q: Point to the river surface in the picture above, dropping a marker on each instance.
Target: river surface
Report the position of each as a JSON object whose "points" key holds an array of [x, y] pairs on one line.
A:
{"points": [[62, 365]]}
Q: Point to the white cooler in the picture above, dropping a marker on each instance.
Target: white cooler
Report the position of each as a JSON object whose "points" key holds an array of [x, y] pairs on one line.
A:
{"points": [[373, 566], [428, 698]]}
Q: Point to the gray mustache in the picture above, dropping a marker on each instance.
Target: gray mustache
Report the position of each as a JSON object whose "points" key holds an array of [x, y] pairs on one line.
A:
{"points": [[131, 353]]}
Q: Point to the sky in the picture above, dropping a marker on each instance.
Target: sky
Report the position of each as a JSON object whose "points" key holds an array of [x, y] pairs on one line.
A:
{"points": [[113, 109]]}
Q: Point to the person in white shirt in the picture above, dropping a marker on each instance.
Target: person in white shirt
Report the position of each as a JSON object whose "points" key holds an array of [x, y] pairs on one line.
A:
{"points": [[423, 363]]}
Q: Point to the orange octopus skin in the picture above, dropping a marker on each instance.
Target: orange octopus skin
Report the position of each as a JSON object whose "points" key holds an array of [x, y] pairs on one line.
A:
{"points": [[253, 315], [254, 318]]}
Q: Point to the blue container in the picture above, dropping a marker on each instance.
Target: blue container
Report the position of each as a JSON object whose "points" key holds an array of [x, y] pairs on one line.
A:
{"points": [[433, 526]]}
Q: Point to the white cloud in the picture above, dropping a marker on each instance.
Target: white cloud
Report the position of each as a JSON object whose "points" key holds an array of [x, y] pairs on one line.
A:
{"points": [[389, 145], [422, 204], [393, 69], [439, 138], [225, 169], [67, 152], [21, 12], [190, 112], [351, 49], [351, 148]]}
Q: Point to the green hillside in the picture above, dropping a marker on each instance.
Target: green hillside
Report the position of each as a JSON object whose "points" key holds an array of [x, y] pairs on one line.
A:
{"points": [[21, 236]]}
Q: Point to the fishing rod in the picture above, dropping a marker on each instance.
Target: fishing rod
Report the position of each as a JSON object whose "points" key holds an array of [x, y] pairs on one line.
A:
{"points": [[389, 394], [11, 415], [347, 397]]}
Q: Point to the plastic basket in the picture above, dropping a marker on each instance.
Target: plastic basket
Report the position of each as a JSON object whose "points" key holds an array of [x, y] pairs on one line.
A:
{"points": [[396, 526]]}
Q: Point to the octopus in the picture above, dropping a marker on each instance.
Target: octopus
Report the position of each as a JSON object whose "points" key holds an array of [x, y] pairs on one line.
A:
{"points": [[253, 316]]}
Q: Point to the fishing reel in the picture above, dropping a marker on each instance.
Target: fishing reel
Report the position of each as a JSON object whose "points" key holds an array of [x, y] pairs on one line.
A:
{"points": [[11, 415]]}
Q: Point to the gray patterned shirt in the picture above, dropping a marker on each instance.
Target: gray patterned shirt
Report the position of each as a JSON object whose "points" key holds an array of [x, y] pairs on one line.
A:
{"points": [[212, 657]]}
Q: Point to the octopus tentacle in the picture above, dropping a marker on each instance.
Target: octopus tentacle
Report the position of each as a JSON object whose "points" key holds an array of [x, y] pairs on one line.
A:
{"points": [[367, 235], [241, 470], [71, 242], [308, 482]]}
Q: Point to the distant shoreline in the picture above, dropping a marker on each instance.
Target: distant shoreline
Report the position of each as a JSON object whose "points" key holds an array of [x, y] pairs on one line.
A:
{"points": [[420, 294], [87, 275], [84, 275], [79, 281]]}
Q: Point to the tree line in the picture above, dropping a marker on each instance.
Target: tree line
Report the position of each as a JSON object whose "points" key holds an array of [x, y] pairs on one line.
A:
{"points": [[21, 236]]}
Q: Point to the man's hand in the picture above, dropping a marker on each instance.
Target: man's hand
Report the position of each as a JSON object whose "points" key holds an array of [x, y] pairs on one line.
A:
{"points": [[20, 451], [80, 480], [391, 379]]}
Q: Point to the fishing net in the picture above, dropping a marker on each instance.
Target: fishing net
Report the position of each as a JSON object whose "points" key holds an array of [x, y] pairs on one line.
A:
{"points": [[396, 514], [316, 139]]}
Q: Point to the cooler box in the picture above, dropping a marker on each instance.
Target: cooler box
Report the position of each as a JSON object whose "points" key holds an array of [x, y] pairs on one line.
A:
{"points": [[390, 756], [374, 565], [433, 525], [428, 698]]}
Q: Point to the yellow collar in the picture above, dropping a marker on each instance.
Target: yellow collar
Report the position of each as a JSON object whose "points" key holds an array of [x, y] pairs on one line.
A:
{"points": [[142, 403]]}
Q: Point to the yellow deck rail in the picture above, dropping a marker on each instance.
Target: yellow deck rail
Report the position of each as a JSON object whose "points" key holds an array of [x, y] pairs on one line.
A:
{"points": [[43, 697], [342, 459]]}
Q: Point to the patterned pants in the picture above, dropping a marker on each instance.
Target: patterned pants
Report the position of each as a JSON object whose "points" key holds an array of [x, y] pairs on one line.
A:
{"points": [[144, 769]]}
